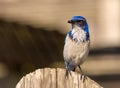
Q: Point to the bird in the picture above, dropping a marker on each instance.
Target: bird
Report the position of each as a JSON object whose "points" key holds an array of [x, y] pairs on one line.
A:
{"points": [[76, 44]]}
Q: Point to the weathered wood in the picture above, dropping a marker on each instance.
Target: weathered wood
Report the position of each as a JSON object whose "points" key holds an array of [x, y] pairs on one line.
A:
{"points": [[55, 78]]}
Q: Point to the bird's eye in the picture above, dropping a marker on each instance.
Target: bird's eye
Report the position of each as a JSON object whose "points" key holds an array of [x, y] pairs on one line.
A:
{"points": [[81, 22]]}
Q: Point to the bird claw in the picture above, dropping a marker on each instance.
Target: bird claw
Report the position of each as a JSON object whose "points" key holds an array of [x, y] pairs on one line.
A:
{"points": [[83, 77], [67, 73]]}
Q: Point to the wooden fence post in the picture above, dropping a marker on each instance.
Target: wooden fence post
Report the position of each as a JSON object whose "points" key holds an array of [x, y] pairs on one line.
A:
{"points": [[55, 78]]}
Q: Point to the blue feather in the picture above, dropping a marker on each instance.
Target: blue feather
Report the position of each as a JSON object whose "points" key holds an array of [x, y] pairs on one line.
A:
{"points": [[75, 18]]}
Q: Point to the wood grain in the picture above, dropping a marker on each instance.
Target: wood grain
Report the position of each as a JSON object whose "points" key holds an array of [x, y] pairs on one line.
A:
{"points": [[55, 78]]}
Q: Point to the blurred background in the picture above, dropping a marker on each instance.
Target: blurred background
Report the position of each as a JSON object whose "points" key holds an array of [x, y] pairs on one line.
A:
{"points": [[32, 36]]}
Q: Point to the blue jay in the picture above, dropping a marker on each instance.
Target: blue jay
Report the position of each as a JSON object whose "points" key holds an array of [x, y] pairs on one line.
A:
{"points": [[77, 43]]}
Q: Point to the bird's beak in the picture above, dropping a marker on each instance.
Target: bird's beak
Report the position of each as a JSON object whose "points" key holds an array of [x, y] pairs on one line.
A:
{"points": [[69, 21]]}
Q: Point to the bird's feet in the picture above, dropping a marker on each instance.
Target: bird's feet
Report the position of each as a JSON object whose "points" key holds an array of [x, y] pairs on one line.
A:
{"points": [[83, 77], [67, 73]]}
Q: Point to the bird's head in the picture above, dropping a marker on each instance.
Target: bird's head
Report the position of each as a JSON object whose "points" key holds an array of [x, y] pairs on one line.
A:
{"points": [[79, 21]]}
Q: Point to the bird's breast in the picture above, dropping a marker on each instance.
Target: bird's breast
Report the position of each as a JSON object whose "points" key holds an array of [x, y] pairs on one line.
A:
{"points": [[75, 52]]}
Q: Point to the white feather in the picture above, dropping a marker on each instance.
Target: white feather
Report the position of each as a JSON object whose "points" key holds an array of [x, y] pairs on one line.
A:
{"points": [[79, 34]]}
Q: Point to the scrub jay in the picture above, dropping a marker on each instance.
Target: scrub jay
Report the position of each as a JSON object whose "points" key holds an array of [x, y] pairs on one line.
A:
{"points": [[77, 43]]}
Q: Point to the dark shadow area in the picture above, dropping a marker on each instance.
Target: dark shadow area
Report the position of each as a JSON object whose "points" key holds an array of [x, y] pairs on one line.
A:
{"points": [[106, 77], [107, 81], [106, 51], [20, 44]]}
